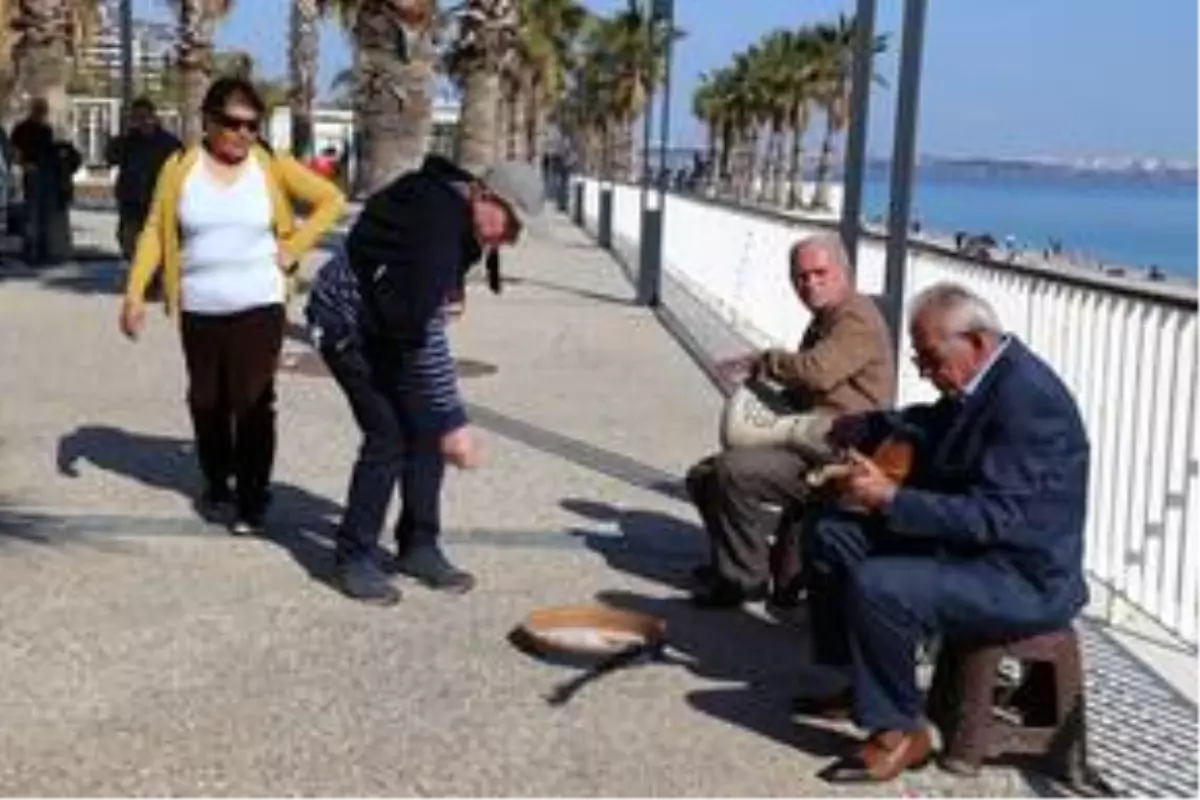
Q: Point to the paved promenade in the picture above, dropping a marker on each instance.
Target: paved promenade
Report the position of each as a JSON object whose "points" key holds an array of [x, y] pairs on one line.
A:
{"points": [[146, 653]]}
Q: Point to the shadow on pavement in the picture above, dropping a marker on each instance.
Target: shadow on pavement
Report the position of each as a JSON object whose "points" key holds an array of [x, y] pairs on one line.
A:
{"points": [[648, 544], [298, 521], [89, 271], [570, 290], [768, 660], [597, 459]]}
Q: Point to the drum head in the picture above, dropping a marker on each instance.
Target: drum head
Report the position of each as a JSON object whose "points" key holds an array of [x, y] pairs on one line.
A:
{"points": [[589, 630]]}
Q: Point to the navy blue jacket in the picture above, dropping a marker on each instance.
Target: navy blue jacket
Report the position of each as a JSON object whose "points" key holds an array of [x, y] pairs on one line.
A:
{"points": [[1002, 475], [410, 247]]}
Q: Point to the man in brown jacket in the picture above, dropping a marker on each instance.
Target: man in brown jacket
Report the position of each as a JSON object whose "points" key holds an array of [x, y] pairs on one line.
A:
{"points": [[844, 365]]}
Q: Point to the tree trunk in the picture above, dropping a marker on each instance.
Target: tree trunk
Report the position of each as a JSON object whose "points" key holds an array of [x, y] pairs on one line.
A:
{"points": [[303, 68], [516, 122], [750, 170], [392, 101], [608, 136], [775, 162], [824, 165], [535, 125], [728, 142], [196, 29], [503, 119], [40, 56], [477, 129], [624, 150], [591, 151], [710, 156], [796, 168]]}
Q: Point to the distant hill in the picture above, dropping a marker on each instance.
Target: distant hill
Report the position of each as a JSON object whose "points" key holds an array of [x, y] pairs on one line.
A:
{"points": [[1139, 169]]}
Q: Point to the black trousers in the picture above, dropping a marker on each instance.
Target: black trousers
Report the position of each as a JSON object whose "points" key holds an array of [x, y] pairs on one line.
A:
{"points": [[732, 490], [231, 363], [41, 205], [875, 596], [394, 454]]}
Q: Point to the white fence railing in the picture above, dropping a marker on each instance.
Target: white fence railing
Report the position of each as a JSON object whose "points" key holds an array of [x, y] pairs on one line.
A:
{"points": [[1126, 350]]}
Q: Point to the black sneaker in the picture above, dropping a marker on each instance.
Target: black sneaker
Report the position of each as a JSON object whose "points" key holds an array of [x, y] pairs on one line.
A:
{"points": [[726, 594], [705, 574], [251, 514], [788, 596], [215, 505], [429, 566], [248, 523], [360, 579]]}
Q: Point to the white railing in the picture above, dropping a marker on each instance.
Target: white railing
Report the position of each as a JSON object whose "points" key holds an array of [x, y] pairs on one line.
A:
{"points": [[1126, 349]]}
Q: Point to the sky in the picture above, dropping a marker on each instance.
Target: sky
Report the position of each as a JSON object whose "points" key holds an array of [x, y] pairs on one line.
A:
{"points": [[1000, 78]]}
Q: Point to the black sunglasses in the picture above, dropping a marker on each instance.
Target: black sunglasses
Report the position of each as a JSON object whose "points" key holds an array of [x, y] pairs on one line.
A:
{"points": [[236, 123]]}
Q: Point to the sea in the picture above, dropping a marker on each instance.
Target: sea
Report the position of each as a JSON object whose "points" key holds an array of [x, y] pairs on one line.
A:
{"points": [[1117, 221]]}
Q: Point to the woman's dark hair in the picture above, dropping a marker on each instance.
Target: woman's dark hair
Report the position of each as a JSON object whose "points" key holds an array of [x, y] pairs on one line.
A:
{"points": [[225, 89]]}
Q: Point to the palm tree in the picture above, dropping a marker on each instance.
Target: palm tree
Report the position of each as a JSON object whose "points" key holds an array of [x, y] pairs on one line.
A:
{"points": [[487, 35], [746, 110], [799, 88], [773, 86], [707, 107], [835, 44], [302, 68], [197, 28], [546, 42], [394, 61], [629, 55]]}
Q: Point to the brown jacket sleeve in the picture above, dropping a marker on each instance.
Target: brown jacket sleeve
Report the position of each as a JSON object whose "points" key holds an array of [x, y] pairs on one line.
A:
{"points": [[850, 344]]}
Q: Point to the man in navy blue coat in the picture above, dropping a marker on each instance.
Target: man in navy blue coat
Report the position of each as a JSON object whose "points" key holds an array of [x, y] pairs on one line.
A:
{"points": [[984, 539]]}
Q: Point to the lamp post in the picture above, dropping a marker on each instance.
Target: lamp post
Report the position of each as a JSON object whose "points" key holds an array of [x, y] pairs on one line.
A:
{"points": [[649, 288], [903, 161], [125, 23], [856, 139]]}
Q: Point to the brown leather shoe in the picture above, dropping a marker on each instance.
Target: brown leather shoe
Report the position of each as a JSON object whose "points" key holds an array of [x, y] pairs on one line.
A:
{"points": [[836, 706], [882, 758]]}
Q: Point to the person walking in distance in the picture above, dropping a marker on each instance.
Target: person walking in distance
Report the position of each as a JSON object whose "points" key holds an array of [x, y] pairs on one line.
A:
{"points": [[221, 226], [138, 154], [378, 316]]}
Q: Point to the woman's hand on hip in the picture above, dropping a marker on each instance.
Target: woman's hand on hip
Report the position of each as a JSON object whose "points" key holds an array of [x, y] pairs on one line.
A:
{"points": [[133, 317]]}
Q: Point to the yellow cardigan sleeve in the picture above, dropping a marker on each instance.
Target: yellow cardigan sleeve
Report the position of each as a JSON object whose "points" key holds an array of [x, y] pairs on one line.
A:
{"points": [[324, 198], [147, 258]]}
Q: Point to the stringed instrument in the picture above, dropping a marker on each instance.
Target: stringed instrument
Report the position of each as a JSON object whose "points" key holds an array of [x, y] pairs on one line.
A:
{"points": [[894, 457]]}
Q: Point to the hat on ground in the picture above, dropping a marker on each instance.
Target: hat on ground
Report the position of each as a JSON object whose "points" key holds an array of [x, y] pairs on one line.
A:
{"points": [[520, 187]]}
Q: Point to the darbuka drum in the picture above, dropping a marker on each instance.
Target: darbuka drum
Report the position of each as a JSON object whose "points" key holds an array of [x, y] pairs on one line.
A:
{"points": [[761, 413], [590, 630]]}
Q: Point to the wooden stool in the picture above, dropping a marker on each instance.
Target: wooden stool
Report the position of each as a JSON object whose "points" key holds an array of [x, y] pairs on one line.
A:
{"points": [[1049, 700]]}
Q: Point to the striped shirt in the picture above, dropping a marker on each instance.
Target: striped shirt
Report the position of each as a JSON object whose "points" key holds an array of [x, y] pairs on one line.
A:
{"points": [[425, 377]]}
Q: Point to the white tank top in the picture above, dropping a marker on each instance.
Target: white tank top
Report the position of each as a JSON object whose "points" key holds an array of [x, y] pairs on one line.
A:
{"points": [[228, 242]]}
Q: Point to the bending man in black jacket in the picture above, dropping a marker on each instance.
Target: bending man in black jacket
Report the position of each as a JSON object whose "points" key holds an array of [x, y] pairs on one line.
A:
{"points": [[377, 314]]}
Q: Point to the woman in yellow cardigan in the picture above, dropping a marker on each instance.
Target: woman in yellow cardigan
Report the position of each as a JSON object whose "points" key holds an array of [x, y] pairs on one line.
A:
{"points": [[222, 231]]}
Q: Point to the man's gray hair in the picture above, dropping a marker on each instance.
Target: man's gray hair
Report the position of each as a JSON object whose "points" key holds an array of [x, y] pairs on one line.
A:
{"points": [[965, 311], [831, 243]]}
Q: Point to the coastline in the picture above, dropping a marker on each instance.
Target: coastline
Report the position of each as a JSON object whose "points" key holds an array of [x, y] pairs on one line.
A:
{"points": [[1066, 262]]}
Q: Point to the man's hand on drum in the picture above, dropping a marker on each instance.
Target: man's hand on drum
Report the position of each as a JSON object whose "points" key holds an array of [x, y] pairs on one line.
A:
{"points": [[740, 368]]}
